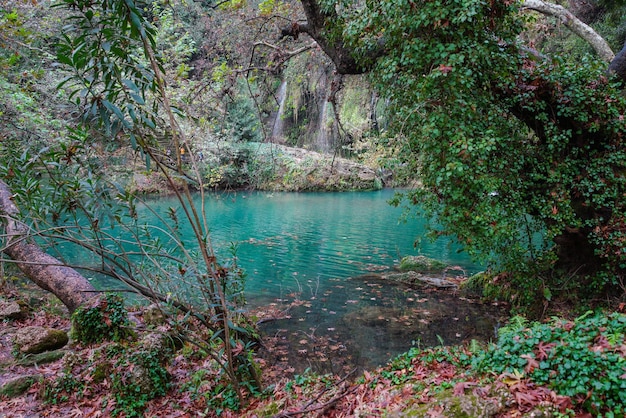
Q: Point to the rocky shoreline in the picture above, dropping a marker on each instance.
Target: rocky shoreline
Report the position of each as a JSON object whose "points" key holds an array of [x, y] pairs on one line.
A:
{"points": [[269, 167]]}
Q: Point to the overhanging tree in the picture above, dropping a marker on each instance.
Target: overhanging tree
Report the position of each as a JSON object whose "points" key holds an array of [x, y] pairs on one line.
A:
{"points": [[117, 79], [521, 156]]}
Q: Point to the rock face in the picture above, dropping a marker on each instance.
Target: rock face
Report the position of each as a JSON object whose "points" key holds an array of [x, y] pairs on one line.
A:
{"points": [[33, 340], [301, 170], [265, 166]]}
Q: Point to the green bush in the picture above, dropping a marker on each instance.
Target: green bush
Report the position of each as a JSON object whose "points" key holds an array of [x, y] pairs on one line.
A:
{"points": [[106, 321], [582, 359], [139, 377]]}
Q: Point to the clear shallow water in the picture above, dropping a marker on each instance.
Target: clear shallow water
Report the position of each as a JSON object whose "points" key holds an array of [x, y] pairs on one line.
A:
{"points": [[315, 255]]}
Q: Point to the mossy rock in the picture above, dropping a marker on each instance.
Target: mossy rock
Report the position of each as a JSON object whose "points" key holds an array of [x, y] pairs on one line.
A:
{"points": [[451, 405], [11, 309], [421, 264], [475, 285], [413, 278], [34, 339], [18, 385], [485, 285], [41, 358]]}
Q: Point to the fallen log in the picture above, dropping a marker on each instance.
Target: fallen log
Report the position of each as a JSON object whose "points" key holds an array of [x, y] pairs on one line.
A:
{"points": [[71, 287]]}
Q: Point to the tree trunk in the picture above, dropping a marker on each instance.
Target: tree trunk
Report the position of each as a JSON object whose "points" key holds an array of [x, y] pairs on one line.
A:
{"points": [[618, 65], [44, 270]]}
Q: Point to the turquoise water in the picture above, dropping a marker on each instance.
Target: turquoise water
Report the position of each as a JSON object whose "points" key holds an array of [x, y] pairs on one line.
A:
{"points": [[313, 257], [313, 264], [288, 239]]}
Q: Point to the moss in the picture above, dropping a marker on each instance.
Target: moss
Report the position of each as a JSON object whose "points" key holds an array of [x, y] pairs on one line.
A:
{"points": [[101, 371], [483, 285], [35, 340], [41, 358], [19, 385], [355, 104], [421, 264], [475, 285], [272, 409], [452, 405]]}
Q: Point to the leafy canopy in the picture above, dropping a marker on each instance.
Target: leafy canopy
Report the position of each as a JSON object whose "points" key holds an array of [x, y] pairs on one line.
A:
{"points": [[514, 151]]}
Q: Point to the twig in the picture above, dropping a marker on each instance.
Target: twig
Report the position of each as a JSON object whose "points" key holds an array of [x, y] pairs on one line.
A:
{"points": [[308, 409]]}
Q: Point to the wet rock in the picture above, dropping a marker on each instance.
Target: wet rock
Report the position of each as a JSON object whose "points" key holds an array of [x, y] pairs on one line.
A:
{"points": [[416, 279], [12, 310], [34, 339]]}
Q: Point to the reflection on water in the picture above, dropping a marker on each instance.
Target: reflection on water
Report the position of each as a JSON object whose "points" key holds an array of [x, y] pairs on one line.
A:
{"points": [[306, 247]]}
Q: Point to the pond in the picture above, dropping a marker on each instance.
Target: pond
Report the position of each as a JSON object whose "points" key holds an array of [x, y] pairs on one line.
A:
{"points": [[315, 256]]}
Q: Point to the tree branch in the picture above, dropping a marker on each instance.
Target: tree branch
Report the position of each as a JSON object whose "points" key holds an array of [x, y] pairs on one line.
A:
{"points": [[287, 54], [580, 28]]}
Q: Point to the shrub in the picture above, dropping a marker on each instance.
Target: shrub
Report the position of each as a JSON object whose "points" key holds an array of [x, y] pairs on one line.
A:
{"points": [[583, 359], [108, 320]]}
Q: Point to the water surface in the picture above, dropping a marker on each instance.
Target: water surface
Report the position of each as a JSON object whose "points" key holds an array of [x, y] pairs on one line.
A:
{"points": [[312, 255]]}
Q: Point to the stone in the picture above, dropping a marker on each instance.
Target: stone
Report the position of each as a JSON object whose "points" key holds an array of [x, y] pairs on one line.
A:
{"points": [[12, 310], [153, 315], [35, 339], [447, 404], [41, 358], [421, 264], [416, 279], [17, 385]]}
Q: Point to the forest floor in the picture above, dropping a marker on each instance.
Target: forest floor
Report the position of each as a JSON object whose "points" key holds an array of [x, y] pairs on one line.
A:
{"points": [[434, 382]]}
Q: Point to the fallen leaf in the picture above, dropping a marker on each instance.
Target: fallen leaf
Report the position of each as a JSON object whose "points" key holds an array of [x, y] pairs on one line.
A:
{"points": [[459, 388]]}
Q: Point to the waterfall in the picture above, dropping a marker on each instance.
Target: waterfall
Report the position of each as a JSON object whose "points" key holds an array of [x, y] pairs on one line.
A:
{"points": [[277, 128], [321, 141]]}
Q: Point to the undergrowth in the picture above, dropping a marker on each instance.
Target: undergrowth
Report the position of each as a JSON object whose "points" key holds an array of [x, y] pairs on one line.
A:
{"points": [[584, 359]]}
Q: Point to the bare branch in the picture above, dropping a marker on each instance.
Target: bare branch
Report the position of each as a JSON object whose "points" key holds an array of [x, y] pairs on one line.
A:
{"points": [[287, 54], [580, 28]]}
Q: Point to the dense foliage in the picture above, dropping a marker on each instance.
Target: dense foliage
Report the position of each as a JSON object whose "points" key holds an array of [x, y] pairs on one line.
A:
{"points": [[521, 156], [581, 359], [107, 321]]}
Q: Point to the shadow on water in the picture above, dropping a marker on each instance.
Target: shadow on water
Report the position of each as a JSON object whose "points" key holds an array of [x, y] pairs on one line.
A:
{"points": [[364, 322]]}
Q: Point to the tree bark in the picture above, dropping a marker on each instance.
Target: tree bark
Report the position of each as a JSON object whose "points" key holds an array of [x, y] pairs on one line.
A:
{"points": [[618, 65], [316, 27], [72, 288]]}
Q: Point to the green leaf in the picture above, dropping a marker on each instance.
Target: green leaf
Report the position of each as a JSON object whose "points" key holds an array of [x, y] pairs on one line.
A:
{"points": [[113, 109], [547, 294], [137, 98]]}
